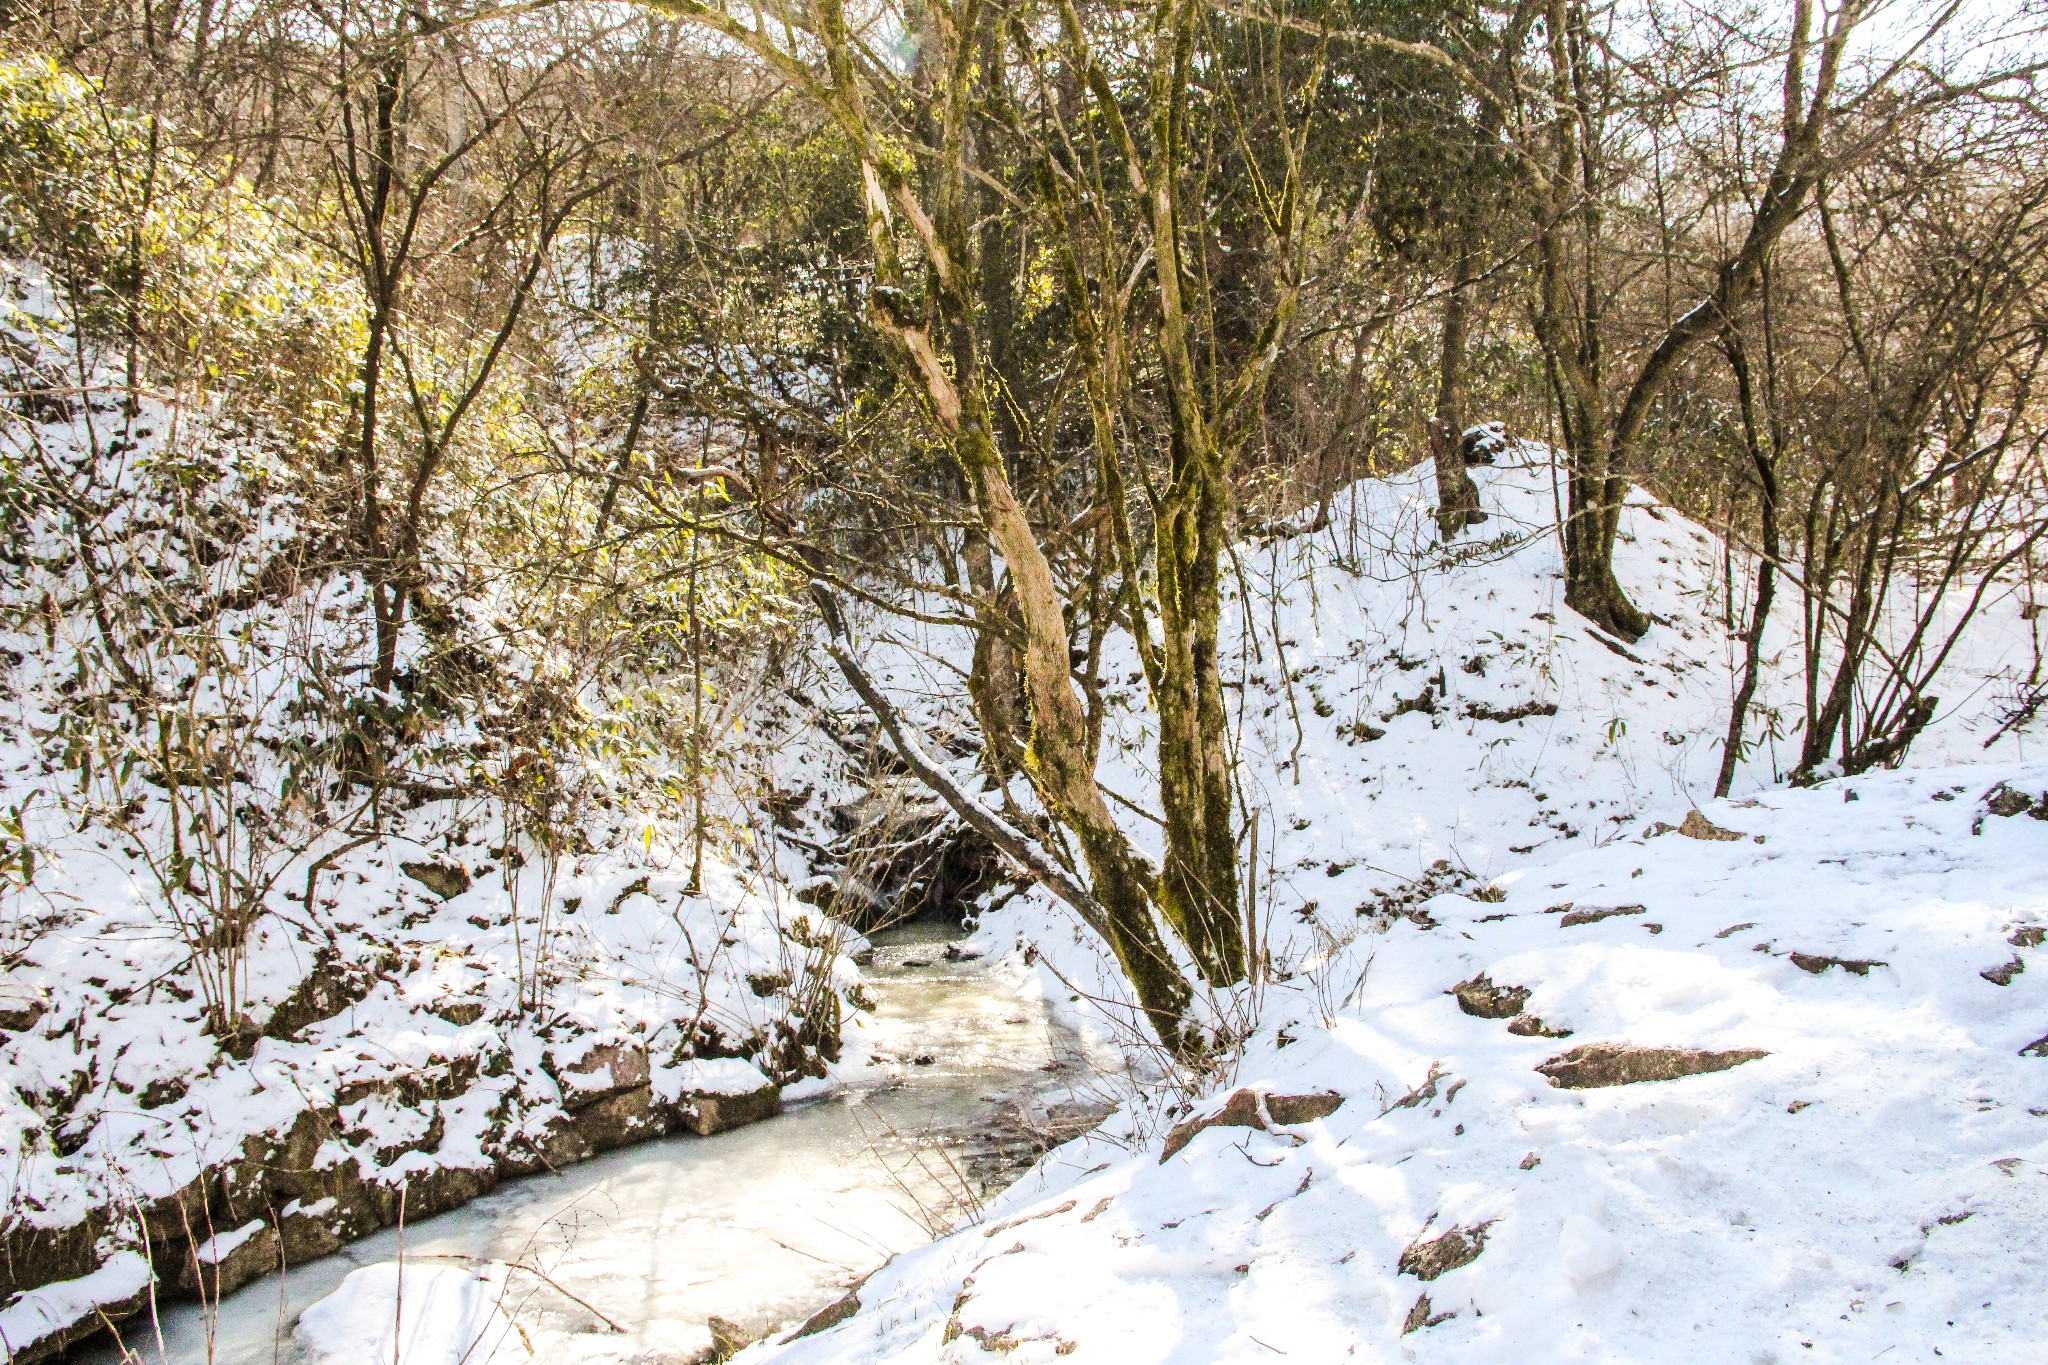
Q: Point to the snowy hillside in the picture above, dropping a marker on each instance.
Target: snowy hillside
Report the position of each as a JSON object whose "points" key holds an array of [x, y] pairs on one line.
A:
{"points": [[1459, 710], [1469, 785], [1859, 1166], [260, 995], [1449, 719]]}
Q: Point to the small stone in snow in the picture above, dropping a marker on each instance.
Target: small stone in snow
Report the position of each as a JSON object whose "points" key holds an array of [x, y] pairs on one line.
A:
{"points": [[1441, 1255], [2003, 974], [1593, 914], [1697, 826], [1481, 999], [1815, 964], [446, 880]]}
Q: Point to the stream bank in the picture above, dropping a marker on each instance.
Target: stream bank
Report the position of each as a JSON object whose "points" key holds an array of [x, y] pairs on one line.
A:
{"points": [[954, 1083]]}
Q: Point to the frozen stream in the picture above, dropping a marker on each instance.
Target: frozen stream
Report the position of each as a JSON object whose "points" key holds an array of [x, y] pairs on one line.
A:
{"points": [[760, 1225]]}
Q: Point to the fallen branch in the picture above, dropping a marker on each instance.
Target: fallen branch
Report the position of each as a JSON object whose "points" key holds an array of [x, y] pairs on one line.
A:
{"points": [[1013, 843]]}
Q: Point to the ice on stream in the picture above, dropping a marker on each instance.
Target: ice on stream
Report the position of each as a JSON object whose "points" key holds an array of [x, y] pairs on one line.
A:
{"points": [[422, 1314], [626, 1257]]}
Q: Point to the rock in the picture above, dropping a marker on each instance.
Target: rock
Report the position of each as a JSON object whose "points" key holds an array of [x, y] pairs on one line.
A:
{"points": [[560, 1144], [1420, 1316], [2007, 801], [31, 1256], [2003, 974], [162, 1091], [2028, 936], [711, 1094], [433, 1190], [329, 988], [560, 1140], [461, 1013], [625, 1118], [1480, 710], [315, 1206], [603, 1070], [704, 1113], [274, 1168], [43, 1321], [1603, 1064], [1441, 1255], [1696, 826], [308, 1231], [1481, 999], [728, 1338], [1248, 1108], [1816, 964], [1484, 443], [186, 1211], [1288, 1110], [1529, 1026], [22, 1006], [1593, 914], [446, 880], [221, 1264], [238, 1037], [386, 1130], [831, 1315]]}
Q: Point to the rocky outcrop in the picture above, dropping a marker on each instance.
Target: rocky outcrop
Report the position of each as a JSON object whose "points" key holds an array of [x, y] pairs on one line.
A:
{"points": [[309, 1189]]}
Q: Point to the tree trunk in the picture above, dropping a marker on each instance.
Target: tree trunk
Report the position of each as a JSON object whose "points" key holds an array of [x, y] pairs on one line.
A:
{"points": [[1199, 885], [1457, 497], [1766, 467], [992, 683], [1061, 767]]}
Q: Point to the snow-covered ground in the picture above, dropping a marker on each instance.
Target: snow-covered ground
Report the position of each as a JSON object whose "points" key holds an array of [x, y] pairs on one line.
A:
{"points": [[1872, 1182], [1866, 1175], [1436, 752]]}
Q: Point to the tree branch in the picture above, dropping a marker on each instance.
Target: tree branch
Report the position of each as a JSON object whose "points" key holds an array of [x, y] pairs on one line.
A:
{"points": [[984, 821]]}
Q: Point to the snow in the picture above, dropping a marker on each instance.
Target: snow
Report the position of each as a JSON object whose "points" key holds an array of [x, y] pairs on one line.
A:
{"points": [[1452, 776], [1871, 1187], [1876, 1182], [709, 1076], [415, 1314], [35, 1314], [218, 1247]]}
